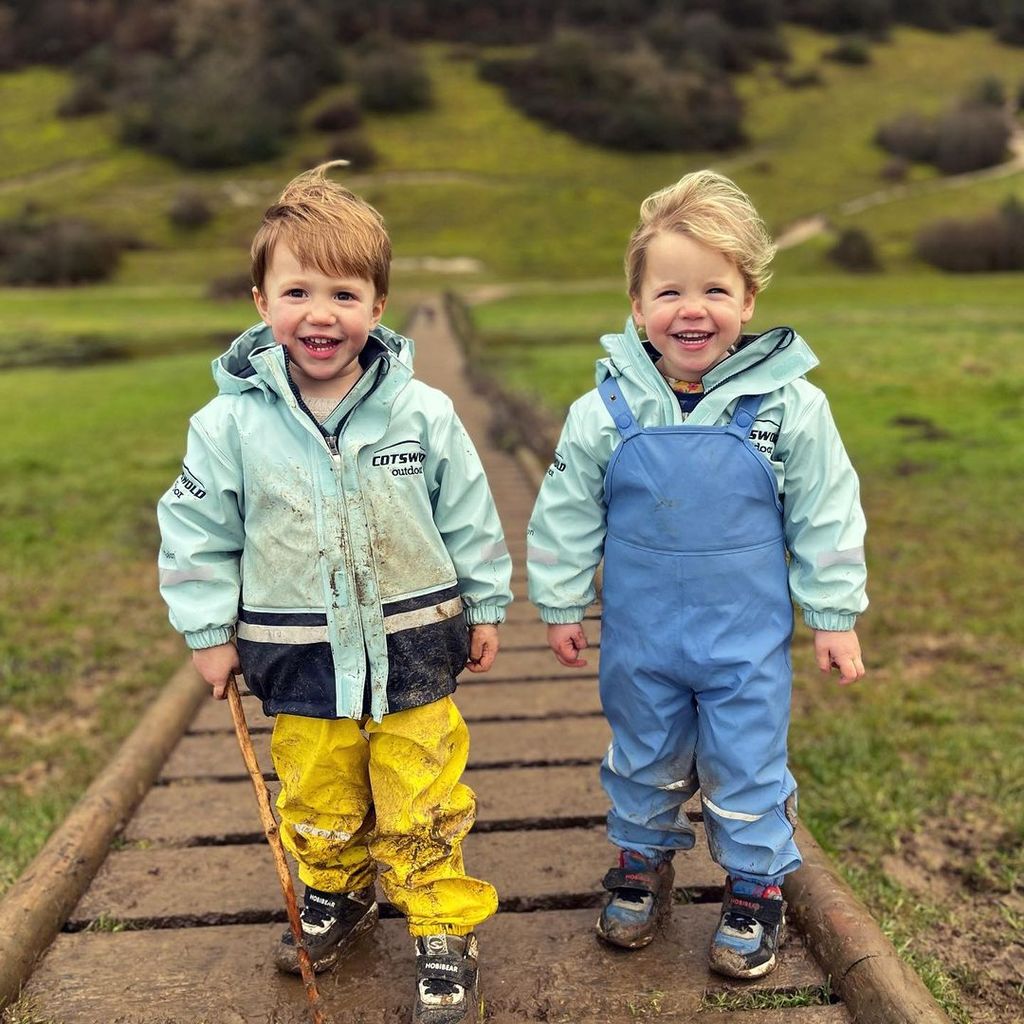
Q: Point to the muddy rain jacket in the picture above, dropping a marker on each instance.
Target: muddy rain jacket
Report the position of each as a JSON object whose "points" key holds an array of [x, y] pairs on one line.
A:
{"points": [[346, 557], [794, 430]]}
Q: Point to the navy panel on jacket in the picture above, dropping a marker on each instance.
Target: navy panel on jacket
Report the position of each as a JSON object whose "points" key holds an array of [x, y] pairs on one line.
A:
{"points": [[287, 663], [288, 670]]}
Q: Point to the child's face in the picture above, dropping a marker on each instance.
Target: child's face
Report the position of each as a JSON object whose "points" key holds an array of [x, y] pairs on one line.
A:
{"points": [[693, 302], [322, 320]]}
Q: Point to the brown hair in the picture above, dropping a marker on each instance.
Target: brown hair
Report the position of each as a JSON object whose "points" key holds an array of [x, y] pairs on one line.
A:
{"points": [[328, 227], [713, 210]]}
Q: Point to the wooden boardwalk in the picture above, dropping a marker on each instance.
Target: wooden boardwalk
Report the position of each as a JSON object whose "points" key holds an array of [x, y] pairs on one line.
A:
{"points": [[179, 924]]}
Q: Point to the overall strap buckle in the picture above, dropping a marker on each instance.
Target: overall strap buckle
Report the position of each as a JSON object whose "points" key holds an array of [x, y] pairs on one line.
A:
{"points": [[744, 415], [618, 408]]}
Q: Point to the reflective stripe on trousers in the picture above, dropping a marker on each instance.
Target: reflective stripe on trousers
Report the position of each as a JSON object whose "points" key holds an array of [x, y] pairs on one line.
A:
{"points": [[358, 795], [697, 619]]}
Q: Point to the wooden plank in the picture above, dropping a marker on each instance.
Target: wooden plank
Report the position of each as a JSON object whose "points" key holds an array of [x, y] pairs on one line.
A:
{"points": [[206, 884], [571, 697], [553, 740], [549, 699], [540, 966], [209, 812]]}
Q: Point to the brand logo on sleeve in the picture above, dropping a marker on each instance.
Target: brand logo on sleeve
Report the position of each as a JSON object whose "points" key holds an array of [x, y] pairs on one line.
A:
{"points": [[557, 465], [189, 483]]}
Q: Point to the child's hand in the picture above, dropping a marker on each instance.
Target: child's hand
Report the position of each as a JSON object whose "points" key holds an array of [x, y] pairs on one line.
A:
{"points": [[839, 650], [483, 647], [567, 641], [218, 666]]}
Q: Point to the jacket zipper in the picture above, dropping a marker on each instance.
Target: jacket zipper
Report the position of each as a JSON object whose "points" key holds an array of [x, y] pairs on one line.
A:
{"points": [[332, 441]]}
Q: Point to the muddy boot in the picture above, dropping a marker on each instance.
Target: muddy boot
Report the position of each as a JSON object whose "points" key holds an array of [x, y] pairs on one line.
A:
{"points": [[640, 900], [750, 931], [446, 980], [332, 922]]}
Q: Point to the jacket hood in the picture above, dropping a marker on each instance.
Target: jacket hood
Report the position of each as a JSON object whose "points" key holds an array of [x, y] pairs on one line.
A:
{"points": [[761, 364], [766, 361], [255, 360]]}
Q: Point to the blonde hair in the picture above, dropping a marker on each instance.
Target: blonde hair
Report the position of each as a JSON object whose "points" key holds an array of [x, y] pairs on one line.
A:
{"points": [[327, 227], [713, 210]]}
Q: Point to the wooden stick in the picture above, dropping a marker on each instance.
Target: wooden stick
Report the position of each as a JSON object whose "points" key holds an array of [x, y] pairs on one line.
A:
{"points": [[272, 833]]}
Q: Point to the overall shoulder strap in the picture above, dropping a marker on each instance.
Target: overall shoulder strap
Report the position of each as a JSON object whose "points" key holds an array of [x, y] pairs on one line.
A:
{"points": [[618, 408], [744, 415]]}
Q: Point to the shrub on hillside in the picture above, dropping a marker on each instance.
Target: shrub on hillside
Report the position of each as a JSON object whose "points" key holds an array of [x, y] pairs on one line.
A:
{"points": [[189, 210], [966, 138], [216, 115], [338, 117], [209, 104], [969, 140], [987, 244], [911, 136], [620, 99], [895, 169], [230, 287], [702, 39], [986, 92], [1010, 23], [935, 15], [869, 16], [65, 251], [799, 78], [851, 49], [854, 251], [391, 78], [86, 97]]}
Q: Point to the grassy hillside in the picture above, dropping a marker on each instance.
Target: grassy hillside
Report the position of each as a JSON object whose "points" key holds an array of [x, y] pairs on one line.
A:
{"points": [[83, 636]]}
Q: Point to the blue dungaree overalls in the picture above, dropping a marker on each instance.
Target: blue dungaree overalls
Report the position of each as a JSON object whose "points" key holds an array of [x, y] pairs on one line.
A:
{"points": [[696, 625]]}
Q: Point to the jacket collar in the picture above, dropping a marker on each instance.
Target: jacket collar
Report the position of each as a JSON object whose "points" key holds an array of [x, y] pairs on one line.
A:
{"points": [[766, 361], [254, 360]]}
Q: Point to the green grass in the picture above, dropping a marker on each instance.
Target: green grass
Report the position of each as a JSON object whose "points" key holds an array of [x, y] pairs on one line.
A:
{"points": [[83, 637], [778, 999], [134, 320], [25, 1011]]}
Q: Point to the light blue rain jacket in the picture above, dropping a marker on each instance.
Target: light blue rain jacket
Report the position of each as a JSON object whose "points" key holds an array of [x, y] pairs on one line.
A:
{"points": [[347, 557], [822, 516]]}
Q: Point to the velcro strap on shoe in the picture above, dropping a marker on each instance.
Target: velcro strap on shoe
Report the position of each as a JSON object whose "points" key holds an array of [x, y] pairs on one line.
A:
{"points": [[620, 878], [457, 969], [764, 911]]}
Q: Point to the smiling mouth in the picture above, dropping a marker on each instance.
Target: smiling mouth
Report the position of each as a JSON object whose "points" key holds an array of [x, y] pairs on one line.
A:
{"points": [[320, 346], [692, 339]]}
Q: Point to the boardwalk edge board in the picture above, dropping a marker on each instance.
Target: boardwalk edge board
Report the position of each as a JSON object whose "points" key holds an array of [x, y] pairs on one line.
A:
{"points": [[36, 907]]}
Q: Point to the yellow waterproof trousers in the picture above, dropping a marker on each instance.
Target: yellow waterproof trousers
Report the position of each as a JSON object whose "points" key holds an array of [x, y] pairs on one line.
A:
{"points": [[355, 793]]}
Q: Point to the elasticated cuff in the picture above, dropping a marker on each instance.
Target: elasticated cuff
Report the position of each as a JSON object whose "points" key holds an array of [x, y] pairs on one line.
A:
{"points": [[833, 622], [485, 614], [204, 638], [562, 616]]}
